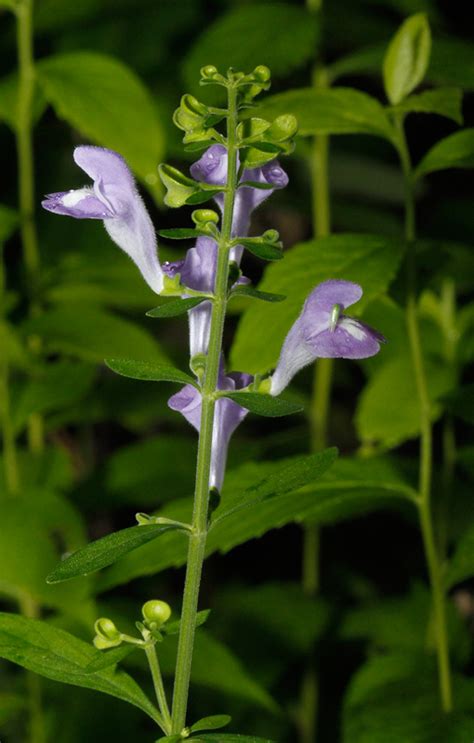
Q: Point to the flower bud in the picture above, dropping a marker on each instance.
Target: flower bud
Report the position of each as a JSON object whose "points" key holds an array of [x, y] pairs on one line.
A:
{"points": [[271, 235], [208, 71], [262, 74], [204, 215], [156, 613], [107, 634]]}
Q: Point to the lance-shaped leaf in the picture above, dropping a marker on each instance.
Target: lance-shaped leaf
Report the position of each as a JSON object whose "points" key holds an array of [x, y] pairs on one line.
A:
{"points": [[173, 628], [148, 371], [182, 233], [407, 58], [214, 722], [175, 307], [58, 655], [106, 551], [108, 658], [229, 738], [266, 405], [244, 290], [455, 151], [267, 251]]}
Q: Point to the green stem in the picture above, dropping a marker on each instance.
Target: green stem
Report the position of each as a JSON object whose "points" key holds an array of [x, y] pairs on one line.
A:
{"points": [[26, 180], [153, 662], [426, 453], [197, 541]]}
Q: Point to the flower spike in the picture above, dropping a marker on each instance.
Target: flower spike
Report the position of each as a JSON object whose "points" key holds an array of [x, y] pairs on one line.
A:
{"points": [[114, 199], [323, 331]]}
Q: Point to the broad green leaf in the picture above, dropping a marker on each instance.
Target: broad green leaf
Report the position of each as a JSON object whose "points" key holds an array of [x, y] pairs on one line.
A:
{"points": [[54, 388], [215, 667], [395, 698], [8, 221], [333, 111], [455, 151], [407, 58], [108, 658], [229, 738], [372, 261], [108, 103], [104, 552], [31, 530], [347, 488], [461, 565], [57, 655], [272, 407], [149, 372], [175, 307], [9, 101], [151, 471], [388, 411], [243, 290], [443, 101], [240, 39], [211, 723], [91, 334]]}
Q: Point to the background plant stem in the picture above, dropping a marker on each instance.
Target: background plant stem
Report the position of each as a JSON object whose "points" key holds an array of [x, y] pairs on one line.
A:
{"points": [[26, 181], [319, 407], [197, 541], [426, 454]]}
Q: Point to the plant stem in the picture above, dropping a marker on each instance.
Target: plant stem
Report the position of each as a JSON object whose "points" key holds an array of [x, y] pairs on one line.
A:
{"points": [[26, 181], [426, 454], [197, 540], [319, 408], [152, 658]]}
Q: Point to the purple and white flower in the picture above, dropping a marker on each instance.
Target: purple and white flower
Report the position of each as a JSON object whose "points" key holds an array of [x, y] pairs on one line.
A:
{"points": [[212, 168], [227, 416], [114, 199], [323, 331]]}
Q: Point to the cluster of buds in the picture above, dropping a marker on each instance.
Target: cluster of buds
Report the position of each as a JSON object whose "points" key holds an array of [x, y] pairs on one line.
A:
{"points": [[155, 614]]}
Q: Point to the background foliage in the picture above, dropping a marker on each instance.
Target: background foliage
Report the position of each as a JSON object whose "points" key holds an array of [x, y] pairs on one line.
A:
{"points": [[112, 73]]}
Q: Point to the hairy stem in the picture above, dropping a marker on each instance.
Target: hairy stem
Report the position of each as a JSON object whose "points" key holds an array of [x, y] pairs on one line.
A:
{"points": [[426, 453], [154, 665], [26, 180], [197, 540]]}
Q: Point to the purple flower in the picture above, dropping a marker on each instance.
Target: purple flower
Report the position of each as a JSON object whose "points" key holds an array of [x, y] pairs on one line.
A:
{"points": [[113, 198], [323, 331], [227, 417], [212, 168]]}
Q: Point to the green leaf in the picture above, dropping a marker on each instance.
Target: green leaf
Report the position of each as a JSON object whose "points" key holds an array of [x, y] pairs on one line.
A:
{"points": [[9, 101], [244, 290], [267, 251], [149, 372], [108, 103], [333, 111], [266, 405], [461, 565], [388, 411], [407, 58], [104, 552], [369, 260], [11, 705], [173, 628], [230, 738], [110, 657], [222, 44], [91, 334], [396, 698], [443, 101], [213, 722], [175, 307], [57, 655], [181, 233], [54, 388], [455, 151]]}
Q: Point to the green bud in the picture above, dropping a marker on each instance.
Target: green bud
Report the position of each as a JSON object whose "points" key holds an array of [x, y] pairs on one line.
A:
{"points": [[208, 71], [156, 613], [262, 74], [272, 236], [107, 634], [204, 215], [198, 365]]}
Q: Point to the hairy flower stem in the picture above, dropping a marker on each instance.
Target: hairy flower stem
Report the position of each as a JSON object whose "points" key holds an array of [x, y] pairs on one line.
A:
{"points": [[426, 454], [26, 182], [197, 540]]}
